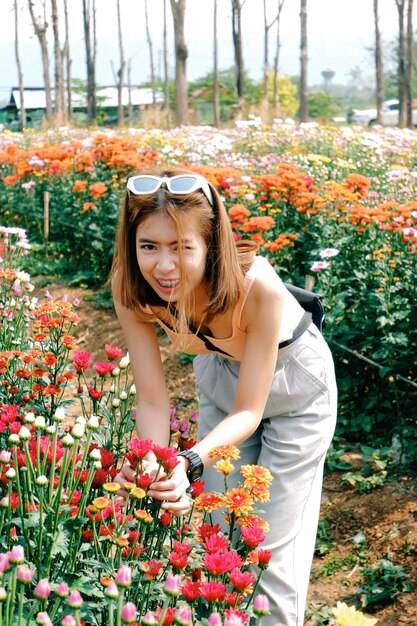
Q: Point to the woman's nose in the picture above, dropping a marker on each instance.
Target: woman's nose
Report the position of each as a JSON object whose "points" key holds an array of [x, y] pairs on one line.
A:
{"points": [[166, 261]]}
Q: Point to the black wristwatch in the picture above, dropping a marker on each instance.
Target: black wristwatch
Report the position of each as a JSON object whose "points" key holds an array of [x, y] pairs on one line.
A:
{"points": [[195, 467]]}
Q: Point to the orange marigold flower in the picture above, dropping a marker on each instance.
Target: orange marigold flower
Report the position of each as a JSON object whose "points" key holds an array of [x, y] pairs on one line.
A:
{"points": [[261, 222], [69, 342], [238, 213], [208, 502], [238, 501], [49, 359], [122, 542], [260, 493], [51, 390], [79, 186], [98, 190], [227, 452]]}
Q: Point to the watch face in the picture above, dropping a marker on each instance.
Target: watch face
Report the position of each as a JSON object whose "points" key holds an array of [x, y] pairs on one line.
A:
{"points": [[195, 473]]}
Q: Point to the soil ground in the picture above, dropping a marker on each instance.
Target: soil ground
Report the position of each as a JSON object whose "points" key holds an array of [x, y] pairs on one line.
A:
{"points": [[387, 516]]}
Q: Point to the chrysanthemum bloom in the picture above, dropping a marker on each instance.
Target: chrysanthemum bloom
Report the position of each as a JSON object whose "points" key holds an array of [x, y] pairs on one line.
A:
{"points": [[128, 614], [111, 487], [62, 590], [256, 475], [183, 616], [178, 561], [17, 555], [191, 590], [241, 580], [317, 266], [238, 501], [261, 605], [215, 619], [68, 620], [25, 574], [101, 503], [224, 467], [221, 562], [172, 585], [81, 360], [208, 502], [111, 591], [260, 493], [113, 352], [124, 576], [216, 543], [43, 589], [75, 600], [349, 616], [226, 452], [213, 591], [328, 253], [253, 521], [138, 449], [252, 537]]}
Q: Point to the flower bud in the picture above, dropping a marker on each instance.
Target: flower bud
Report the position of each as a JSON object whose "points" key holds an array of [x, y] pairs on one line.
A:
{"points": [[115, 372], [39, 422], [93, 423], [51, 430], [29, 418], [128, 614], [111, 591], [124, 576], [25, 575], [148, 619], [43, 618], [97, 465], [59, 414], [112, 388], [11, 473], [42, 481], [75, 600], [261, 605], [123, 395], [115, 403], [132, 390], [62, 590], [95, 454], [4, 502], [17, 555], [172, 585], [67, 441], [78, 431], [14, 439], [42, 590], [24, 433], [5, 456], [183, 615], [124, 361], [68, 620], [215, 619], [3, 594], [81, 420]]}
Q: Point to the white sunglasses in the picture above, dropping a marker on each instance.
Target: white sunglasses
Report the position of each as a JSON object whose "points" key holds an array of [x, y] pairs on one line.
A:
{"points": [[182, 184]]}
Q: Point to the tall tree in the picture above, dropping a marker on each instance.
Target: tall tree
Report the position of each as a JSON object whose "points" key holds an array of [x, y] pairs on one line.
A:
{"points": [[409, 64], [60, 110], [89, 20], [267, 28], [379, 68], [121, 70], [19, 67], [166, 66], [216, 101], [238, 48], [40, 29], [181, 54], [68, 62], [303, 90], [277, 49], [151, 59], [401, 72]]}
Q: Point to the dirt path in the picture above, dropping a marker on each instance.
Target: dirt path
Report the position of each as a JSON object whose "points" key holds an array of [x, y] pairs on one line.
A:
{"points": [[387, 516]]}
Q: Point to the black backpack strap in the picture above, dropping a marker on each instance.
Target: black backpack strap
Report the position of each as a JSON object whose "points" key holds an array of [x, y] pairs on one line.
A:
{"points": [[311, 302]]}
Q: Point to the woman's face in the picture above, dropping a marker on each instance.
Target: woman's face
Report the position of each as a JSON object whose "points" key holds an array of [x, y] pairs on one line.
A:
{"points": [[157, 251]]}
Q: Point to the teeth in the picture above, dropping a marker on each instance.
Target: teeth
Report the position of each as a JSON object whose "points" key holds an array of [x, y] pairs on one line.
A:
{"points": [[169, 283]]}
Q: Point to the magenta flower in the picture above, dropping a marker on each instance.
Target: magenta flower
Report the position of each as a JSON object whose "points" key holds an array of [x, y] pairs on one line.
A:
{"points": [[62, 590], [124, 576], [111, 591], [183, 615], [172, 585], [215, 619], [43, 589], [5, 564], [261, 605], [128, 614]]}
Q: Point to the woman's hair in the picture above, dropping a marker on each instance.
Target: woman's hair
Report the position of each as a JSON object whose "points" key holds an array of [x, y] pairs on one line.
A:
{"points": [[226, 263]]}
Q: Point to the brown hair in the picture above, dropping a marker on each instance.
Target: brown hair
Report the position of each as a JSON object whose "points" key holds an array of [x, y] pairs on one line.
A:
{"points": [[226, 263]]}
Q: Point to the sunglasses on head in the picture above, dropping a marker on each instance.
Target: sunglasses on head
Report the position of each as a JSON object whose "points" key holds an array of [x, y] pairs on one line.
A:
{"points": [[182, 184]]}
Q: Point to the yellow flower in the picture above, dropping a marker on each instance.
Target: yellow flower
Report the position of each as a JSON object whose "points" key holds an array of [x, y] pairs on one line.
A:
{"points": [[224, 452], [111, 487], [138, 492], [225, 467], [101, 503], [349, 616]]}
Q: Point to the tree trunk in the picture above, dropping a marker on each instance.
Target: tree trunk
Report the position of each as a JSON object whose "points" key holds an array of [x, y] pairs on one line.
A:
{"points": [[90, 53], [22, 122], [181, 54], [402, 87], [276, 58], [151, 59], [68, 62], [121, 71], [129, 92], [60, 112], [410, 62], [40, 30], [379, 69], [266, 60], [238, 50], [166, 68], [216, 102], [303, 63]]}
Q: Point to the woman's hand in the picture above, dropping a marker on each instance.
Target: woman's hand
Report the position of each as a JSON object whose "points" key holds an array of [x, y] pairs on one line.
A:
{"points": [[172, 490]]}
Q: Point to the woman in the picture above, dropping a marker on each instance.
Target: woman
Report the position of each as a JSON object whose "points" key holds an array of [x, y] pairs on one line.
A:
{"points": [[265, 377]]}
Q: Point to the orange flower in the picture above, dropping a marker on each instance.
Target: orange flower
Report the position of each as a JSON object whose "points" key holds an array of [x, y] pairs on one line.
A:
{"points": [[87, 206], [238, 213], [254, 521], [238, 501], [208, 502], [224, 466], [261, 222], [98, 190], [227, 452], [79, 186], [256, 475]]}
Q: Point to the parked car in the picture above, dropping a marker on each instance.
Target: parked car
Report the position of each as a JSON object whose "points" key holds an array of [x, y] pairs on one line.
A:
{"points": [[389, 114]]}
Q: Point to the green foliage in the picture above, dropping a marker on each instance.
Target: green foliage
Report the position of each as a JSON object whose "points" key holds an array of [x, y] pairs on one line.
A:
{"points": [[322, 105], [373, 473], [382, 583]]}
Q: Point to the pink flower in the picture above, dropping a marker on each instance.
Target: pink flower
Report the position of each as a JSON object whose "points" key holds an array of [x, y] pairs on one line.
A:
{"points": [[183, 615], [327, 253], [128, 614], [241, 580], [261, 605], [81, 360], [75, 600], [103, 368], [42, 590], [215, 619], [172, 585], [124, 576], [25, 574], [113, 352], [148, 619], [111, 591], [318, 266], [62, 590], [43, 618], [68, 620], [17, 555]]}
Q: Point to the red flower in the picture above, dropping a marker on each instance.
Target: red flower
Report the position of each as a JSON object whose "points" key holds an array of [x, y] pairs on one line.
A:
{"points": [[113, 352], [221, 562], [81, 360], [100, 477], [138, 449], [216, 543], [213, 592], [168, 618], [181, 548], [206, 530], [164, 454], [178, 561], [198, 487], [107, 456], [94, 393], [144, 480], [191, 591], [9, 413], [166, 518], [264, 556], [241, 580], [103, 368]]}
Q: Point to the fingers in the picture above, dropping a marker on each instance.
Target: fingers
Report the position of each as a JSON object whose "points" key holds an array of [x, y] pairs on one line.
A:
{"points": [[170, 489], [181, 507]]}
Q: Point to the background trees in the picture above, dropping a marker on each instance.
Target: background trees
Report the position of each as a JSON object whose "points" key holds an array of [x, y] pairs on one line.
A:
{"points": [[240, 97]]}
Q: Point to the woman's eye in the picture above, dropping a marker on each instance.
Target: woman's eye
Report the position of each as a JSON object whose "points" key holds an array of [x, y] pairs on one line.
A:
{"points": [[146, 246]]}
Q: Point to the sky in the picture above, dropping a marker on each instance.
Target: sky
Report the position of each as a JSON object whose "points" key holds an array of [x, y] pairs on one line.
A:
{"points": [[340, 33]]}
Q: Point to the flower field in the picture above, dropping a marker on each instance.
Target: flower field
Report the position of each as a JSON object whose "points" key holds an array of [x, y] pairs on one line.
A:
{"points": [[334, 204]]}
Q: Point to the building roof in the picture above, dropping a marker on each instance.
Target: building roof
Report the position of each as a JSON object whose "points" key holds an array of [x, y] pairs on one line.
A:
{"points": [[34, 98]]}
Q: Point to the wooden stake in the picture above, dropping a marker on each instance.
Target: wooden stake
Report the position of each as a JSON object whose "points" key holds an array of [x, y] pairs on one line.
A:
{"points": [[46, 219]]}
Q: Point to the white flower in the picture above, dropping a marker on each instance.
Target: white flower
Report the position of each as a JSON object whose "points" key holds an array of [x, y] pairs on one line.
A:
{"points": [[39, 422], [67, 441], [327, 253], [59, 414], [132, 390], [11, 473], [29, 418], [93, 423], [78, 431], [42, 481], [123, 395], [95, 454], [115, 402], [24, 433], [124, 361]]}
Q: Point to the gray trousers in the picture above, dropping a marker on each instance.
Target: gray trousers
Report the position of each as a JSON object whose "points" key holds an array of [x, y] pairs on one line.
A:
{"points": [[291, 441]]}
